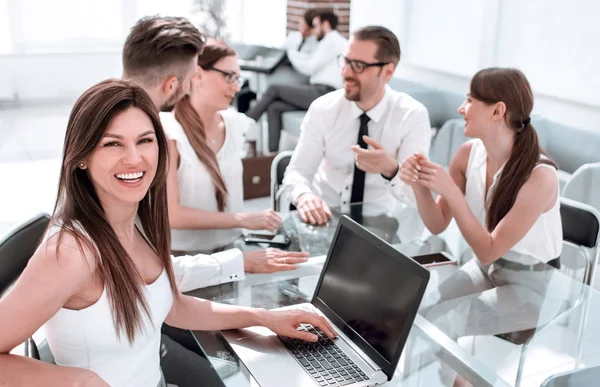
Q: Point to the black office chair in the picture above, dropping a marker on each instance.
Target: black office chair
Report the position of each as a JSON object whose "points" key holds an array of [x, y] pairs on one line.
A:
{"points": [[278, 167], [15, 251], [581, 231], [17, 248]]}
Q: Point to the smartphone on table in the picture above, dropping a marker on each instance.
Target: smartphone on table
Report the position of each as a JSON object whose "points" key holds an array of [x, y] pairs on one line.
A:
{"points": [[277, 240], [434, 259]]}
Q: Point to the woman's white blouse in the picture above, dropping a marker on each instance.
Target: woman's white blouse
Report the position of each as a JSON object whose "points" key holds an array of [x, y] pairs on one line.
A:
{"points": [[196, 188]]}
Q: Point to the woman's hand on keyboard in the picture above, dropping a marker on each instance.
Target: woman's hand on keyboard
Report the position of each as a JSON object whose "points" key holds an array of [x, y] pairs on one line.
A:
{"points": [[286, 323]]}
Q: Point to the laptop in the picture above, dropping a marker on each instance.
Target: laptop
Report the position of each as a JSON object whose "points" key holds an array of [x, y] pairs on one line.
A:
{"points": [[369, 292]]}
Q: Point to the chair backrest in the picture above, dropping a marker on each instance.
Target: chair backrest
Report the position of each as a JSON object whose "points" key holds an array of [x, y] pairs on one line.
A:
{"points": [[584, 185], [278, 167], [17, 248], [581, 378], [580, 223], [571, 147], [441, 105], [447, 141], [581, 228]]}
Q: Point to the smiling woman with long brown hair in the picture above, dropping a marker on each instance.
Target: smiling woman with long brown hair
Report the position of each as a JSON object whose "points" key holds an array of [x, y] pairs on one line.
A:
{"points": [[101, 283]]}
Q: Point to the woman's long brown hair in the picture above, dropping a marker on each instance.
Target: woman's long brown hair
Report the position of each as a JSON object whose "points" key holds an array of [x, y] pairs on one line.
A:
{"points": [[510, 86], [80, 213], [194, 130]]}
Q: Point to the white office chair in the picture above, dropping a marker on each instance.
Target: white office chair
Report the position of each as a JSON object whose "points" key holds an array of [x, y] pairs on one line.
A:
{"points": [[447, 141], [584, 185], [278, 167], [586, 377]]}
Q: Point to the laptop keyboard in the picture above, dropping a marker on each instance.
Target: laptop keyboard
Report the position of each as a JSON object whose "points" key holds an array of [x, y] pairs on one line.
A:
{"points": [[325, 362]]}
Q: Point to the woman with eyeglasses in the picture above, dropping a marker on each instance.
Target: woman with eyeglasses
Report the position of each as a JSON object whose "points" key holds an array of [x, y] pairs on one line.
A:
{"points": [[205, 190]]}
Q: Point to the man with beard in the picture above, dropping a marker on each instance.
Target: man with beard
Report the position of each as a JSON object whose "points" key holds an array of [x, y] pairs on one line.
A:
{"points": [[320, 65], [161, 56], [353, 140]]}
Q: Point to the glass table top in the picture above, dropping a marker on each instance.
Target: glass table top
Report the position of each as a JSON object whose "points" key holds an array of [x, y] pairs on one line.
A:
{"points": [[282, 291], [565, 339]]}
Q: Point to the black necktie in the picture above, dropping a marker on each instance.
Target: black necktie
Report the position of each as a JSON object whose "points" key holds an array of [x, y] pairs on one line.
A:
{"points": [[301, 44], [358, 184]]}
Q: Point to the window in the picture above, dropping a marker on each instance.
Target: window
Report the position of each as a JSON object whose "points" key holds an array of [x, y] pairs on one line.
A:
{"points": [[554, 43], [66, 25], [445, 35]]}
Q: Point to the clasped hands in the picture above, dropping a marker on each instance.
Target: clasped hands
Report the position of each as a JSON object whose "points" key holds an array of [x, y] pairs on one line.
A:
{"points": [[419, 172]]}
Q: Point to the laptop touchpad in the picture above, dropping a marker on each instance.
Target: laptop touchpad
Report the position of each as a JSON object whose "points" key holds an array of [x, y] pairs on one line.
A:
{"points": [[266, 358]]}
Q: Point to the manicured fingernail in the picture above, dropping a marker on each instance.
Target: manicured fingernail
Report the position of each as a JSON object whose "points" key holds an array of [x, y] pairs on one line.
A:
{"points": [[418, 167]]}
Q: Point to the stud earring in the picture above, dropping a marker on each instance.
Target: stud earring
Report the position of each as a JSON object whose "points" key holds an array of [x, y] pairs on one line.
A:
{"points": [[82, 165]]}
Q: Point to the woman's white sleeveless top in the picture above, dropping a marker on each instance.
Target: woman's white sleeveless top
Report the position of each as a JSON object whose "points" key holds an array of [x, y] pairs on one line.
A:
{"points": [[87, 338], [196, 188], [543, 242]]}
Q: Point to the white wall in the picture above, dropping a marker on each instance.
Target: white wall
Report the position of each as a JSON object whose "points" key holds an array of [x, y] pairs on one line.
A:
{"points": [[261, 22], [56, 76], [61, 64], [554, 42]]}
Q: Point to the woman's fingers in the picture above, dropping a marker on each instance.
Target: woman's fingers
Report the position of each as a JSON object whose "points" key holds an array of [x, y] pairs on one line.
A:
{"points": [[428, 171], [302, 335], [408, 176], [319, 322]]}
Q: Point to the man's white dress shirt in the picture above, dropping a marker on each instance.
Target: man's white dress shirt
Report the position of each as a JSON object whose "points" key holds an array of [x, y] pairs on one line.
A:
{"points": [[295, 38], [322, 64], [323, 162]]}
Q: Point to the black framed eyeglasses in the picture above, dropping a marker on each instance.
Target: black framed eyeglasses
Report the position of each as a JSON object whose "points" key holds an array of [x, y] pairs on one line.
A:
{"points": [[358, 66], [230, 77]]}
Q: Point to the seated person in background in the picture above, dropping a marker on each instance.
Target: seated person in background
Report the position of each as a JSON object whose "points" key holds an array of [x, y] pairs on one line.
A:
{"points": [[331, 165], [205, 189], [101, 283], [161, 56], [303, 40], [503, 193], [320, 65]]}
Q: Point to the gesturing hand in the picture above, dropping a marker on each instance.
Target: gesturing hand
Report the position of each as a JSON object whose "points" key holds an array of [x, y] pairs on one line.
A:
{"points": [[286, 322], [375, 160], [312, 209], [272, 260]]}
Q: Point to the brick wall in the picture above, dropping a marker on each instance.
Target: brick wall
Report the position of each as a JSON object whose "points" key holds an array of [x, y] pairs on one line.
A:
{"points": [[296, 8]]}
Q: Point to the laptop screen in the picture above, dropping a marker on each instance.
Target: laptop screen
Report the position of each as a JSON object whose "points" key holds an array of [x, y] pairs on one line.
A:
{"points": [[373, 289]]}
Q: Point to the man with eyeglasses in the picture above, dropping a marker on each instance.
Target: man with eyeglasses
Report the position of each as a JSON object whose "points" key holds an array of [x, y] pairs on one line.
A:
{"points": [[320, 65], [353, 140]]}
